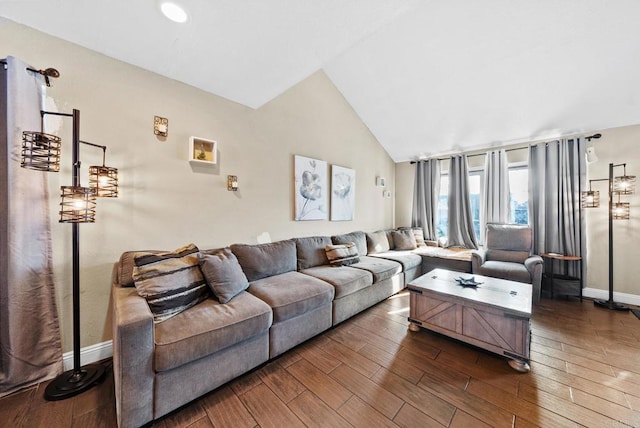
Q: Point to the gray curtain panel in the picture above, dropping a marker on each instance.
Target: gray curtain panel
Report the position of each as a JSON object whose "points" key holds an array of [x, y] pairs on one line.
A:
{"points": [[557, 175], [460, 233], [496, 199], [30, 348], [426, 190]]}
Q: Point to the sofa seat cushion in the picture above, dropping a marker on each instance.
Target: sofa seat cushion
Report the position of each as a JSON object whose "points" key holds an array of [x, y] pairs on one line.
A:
{"points": [[207, 328], [506, 270], [291, 294], [346, 280], [408, 259], [380, 268]]}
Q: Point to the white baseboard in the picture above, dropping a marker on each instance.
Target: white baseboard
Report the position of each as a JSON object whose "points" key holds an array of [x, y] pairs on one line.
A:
{"points": [[596, 293], [89, 354]]}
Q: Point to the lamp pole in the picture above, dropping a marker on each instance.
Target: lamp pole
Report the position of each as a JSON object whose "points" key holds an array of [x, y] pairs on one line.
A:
{"points": [[611, 304], [73, 382]]}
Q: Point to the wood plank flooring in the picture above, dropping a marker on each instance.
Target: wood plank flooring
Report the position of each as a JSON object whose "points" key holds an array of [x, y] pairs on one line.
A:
{"points": [[370, 371]]}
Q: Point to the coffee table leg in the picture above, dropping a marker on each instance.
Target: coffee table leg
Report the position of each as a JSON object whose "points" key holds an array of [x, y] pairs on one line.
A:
{"points": [[414, 327], [519, 366]]}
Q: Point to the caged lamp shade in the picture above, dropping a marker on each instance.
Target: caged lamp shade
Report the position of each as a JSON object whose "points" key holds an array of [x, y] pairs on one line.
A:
{"points": [[103, 180], [77, 204], [40, 151]]}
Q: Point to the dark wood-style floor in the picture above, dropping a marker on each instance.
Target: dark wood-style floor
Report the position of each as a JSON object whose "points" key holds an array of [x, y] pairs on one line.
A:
{"points": [[371, 371]]}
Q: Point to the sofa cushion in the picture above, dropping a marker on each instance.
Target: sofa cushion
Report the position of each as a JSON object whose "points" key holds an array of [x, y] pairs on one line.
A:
{"points": [[291, 294], [377, 242], [311, 251], [404, 239], [223, 274], [263, 260], [505, 270], [380, 268], [408, 259], [358, 238], [208, 328], [171, 282], [342, 254], [346, 280]]}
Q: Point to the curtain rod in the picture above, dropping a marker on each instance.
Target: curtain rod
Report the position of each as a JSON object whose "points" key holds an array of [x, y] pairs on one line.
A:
{"points": [[520, 146], [47, 72]]}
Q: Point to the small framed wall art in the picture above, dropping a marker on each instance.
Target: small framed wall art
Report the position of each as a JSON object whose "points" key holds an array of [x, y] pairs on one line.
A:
{"points": [[203, 151]]}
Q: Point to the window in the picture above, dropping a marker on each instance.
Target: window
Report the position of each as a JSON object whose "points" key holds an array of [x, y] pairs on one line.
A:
{"points": [[476, 179], [442, 216], [519, 192], [476, 183]]}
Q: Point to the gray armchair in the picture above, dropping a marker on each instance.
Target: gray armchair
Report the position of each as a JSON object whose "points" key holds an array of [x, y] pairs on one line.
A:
{"points": [[507, 255]]}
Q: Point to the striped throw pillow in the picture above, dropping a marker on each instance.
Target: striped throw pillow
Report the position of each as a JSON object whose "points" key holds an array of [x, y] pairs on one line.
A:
{"points": [[342, 254], [170, 282]]}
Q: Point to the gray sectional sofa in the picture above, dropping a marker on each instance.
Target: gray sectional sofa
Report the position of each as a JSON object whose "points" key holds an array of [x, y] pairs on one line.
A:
{"points": [[293, 294]]}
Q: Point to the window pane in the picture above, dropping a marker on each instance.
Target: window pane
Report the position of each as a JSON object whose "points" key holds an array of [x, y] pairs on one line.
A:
{"points": [[519, 190], [475, 184], [442, 219]]}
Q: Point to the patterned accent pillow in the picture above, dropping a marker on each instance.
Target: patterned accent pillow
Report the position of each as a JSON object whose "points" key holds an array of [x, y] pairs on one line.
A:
{"points": [[223, 274], [342, 254], [171, 282]]}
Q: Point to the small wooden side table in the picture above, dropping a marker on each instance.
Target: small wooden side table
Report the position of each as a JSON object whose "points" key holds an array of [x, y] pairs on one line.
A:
{"points": [[564, 278]]}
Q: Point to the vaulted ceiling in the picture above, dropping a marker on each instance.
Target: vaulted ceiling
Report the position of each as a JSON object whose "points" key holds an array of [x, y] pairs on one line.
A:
{"points": [[427, 77]]}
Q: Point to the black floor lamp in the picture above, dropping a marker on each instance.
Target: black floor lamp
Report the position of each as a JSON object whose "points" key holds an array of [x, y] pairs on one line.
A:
{"points": [[41, 152], [622, 185]]}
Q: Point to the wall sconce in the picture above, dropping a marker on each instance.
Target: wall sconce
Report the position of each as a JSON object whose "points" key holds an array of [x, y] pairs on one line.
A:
{"points": [[160, 126], [232, 183]]}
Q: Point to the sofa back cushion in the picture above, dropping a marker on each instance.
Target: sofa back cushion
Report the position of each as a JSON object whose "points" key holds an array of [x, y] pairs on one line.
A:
{"points": [[311, 251], [377, 242], [264, 260], [358, 238], [171, 282]]}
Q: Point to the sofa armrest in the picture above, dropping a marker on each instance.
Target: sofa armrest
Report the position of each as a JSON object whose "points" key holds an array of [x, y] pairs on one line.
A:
{"points": [[533, 264], [477, 259], [133, 347]]}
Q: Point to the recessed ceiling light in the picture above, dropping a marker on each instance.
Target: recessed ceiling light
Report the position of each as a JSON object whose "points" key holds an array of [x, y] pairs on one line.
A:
{"points": [[174, 12]]}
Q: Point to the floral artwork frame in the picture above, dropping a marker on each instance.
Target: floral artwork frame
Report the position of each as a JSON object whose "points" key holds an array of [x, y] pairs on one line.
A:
{"points": [[343, 193], [310, 189]]}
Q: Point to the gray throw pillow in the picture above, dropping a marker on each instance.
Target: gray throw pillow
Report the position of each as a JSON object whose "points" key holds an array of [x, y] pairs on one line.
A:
{"points": [[223, 274], [404, 239], [377, 242], [171, 282]]}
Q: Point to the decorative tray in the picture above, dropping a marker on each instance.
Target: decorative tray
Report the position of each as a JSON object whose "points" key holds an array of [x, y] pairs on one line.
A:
{"points": [[467, 282]]}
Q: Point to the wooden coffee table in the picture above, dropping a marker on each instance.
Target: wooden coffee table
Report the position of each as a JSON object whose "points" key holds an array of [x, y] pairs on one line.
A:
{"points": [[494, 316]]}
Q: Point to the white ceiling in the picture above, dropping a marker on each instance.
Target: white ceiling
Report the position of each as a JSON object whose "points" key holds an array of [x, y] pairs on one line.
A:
{"points": [[427, 77]]}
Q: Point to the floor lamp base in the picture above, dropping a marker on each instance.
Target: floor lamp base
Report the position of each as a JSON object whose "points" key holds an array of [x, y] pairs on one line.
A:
{"points": [[74, 382], [610, 304]]}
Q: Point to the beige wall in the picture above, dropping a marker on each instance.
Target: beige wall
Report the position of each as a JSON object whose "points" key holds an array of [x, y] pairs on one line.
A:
{"points": [[165, 202], [617, 145]]}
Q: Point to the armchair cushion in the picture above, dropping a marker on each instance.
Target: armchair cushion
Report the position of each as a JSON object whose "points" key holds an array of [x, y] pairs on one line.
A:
{"points": [[505, 270]]}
